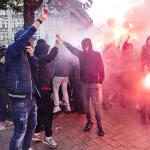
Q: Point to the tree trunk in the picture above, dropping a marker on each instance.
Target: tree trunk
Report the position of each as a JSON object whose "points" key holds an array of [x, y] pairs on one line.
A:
{"points": [[29, 8]]}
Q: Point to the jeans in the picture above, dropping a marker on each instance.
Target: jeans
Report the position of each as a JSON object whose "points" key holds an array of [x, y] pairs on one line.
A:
{"points": [[77, 94], [63, 81], [45, 113], [24, 113], [3, 103], [91, 91]]}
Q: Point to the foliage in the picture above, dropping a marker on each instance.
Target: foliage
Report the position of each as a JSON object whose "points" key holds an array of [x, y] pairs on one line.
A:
{"points": [[16, 5]]}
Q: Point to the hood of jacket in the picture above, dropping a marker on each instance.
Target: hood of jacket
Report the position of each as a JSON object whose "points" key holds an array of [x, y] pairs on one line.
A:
{"points": [[87, 41]]}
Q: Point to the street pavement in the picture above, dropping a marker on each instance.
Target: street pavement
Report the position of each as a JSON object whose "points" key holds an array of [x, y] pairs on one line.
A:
{"points": [[122, 127]]}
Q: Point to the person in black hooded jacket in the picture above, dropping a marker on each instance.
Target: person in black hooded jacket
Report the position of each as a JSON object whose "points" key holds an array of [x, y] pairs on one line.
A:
{"points": [[91, 75], [3, 93], [44, 103]]}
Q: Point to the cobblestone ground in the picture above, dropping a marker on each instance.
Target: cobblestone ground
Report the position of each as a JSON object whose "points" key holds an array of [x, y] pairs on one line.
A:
{"points": [[123, 131]]}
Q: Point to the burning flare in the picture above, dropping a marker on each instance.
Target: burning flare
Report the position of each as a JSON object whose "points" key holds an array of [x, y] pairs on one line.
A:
{"points": [[147, 80]]}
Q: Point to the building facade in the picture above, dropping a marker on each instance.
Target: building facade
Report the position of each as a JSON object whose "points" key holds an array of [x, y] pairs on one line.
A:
{"points": [[69, 20], [10, 22]]}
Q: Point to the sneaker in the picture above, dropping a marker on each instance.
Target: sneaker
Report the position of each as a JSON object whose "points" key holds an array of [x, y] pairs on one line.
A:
{"points": [[100, 132], [68, 109], [2, 126], [56, 109], [8, 123], [36, 137], [50, 141], [88, 126]]}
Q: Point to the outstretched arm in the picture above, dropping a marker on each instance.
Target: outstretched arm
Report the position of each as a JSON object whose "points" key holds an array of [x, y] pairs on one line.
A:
{"points": [[71, 48], [48, 58]]}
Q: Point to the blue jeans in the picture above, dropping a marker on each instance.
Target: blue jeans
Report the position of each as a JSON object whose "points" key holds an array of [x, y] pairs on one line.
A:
{"points": [[24, 113], [91, 91]]}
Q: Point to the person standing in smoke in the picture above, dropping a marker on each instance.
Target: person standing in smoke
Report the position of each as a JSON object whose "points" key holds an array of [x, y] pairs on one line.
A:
{"points": [[145, 56], [20, 86], [62, 66], [75, 85], [128, 73], [144, 102], [110, 56], [91, 75]]}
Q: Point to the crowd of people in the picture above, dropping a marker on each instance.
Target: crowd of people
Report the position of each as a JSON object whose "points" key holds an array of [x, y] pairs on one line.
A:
{"points": [[37, 82], [126, 72]]}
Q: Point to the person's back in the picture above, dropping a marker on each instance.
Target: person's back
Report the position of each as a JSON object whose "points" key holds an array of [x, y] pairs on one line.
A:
{"points": [[45, 103], [62, 63], [62, 68], [44, 73]]}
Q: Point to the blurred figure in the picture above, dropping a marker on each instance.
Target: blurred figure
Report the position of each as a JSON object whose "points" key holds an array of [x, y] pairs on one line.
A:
{"points": [[62, 66], [45, 103], [145, 96], [111, 59], [128, 73], [91, 75], [21, 87], [75, 85], [4, 101], [145, 56]]}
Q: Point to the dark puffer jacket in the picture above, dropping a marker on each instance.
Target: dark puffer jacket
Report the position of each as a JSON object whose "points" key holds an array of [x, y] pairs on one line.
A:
{"points": [[19, 81], [91, 64]]}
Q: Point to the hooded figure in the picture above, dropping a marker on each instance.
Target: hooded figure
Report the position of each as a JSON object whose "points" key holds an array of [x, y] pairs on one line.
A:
{"points": [[91, 64], [91, 75], [45, 69], [3, 93], [45, 103]]}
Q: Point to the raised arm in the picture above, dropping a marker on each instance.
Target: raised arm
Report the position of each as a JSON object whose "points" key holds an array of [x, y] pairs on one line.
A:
{"points": [[41, 59], [19, 45], [125, 44], [48, 58], [71, 48]]}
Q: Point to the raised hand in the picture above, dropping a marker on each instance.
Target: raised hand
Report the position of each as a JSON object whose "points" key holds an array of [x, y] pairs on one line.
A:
{"points": [[29, 49], [128, 37], [59, 38], [44, 14]]}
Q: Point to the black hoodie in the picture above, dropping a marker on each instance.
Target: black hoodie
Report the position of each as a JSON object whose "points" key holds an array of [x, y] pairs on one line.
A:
{"points": [[91, 64], [45, 68]]}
